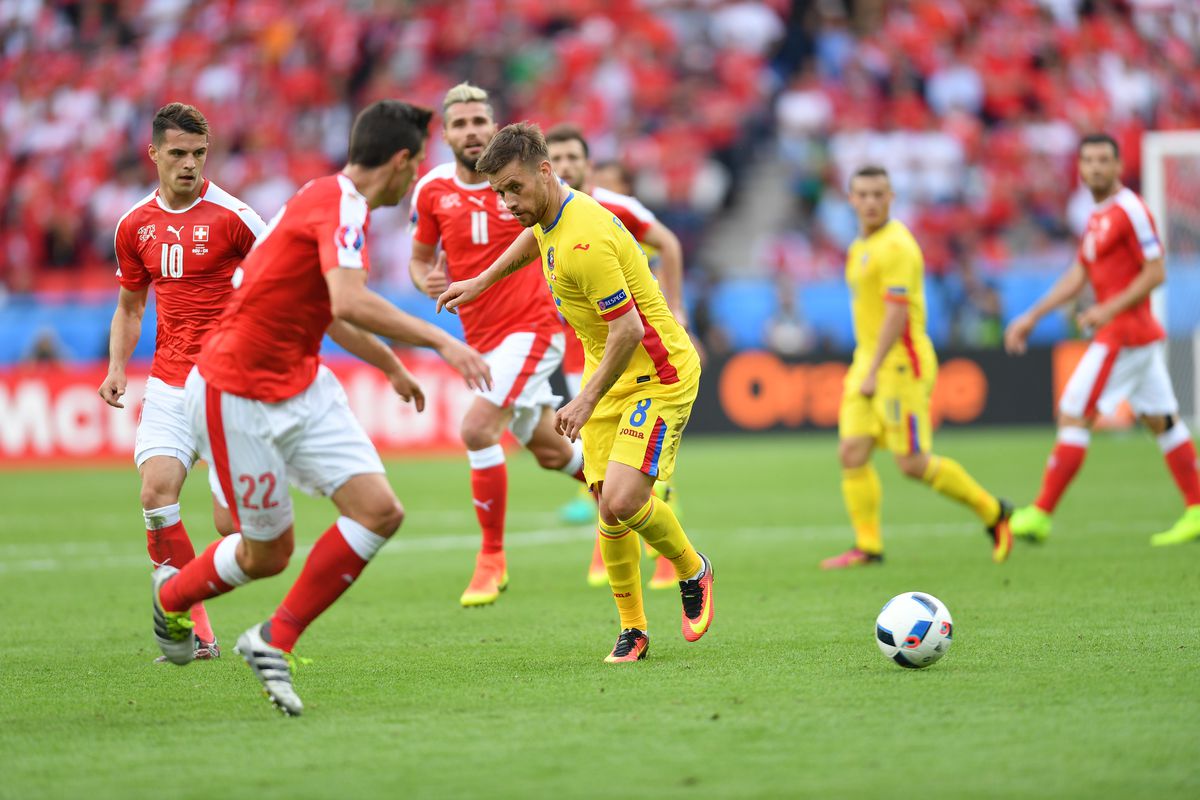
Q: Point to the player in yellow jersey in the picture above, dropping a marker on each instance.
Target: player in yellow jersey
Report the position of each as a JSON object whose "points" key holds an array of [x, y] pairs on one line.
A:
{"points": [[571, 159], [640, 378], [885, 399]]}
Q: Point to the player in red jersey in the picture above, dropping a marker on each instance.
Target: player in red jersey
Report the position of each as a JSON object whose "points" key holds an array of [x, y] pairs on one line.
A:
{"points": [[185, 239], [266, 412], [516, 327], [1122, 258], [571, 159]]}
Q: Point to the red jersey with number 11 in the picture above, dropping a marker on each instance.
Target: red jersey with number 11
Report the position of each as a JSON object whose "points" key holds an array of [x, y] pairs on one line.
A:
{"points": [[475, 227]]}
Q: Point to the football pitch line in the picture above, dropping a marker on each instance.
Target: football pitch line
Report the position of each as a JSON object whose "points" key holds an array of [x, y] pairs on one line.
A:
{"points": [[72, 556]]}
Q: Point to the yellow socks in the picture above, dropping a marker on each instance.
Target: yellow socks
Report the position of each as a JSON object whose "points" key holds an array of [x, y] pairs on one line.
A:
{"points": [[658, 525], [948, 478], [864, 496], [622, 559]]}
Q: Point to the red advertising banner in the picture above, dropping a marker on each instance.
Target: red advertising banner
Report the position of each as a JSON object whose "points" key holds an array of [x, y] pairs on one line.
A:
{"points": [[54, 414]]}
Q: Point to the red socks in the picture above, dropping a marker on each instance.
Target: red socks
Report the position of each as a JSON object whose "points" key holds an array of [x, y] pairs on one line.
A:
{"points": [[1065, 461], [336, 561], [489, 494], [198, 580], [1180, 455]]}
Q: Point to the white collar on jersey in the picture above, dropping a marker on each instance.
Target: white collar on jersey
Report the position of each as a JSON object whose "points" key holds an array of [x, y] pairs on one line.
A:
{"points": [[470, 187], [158, 199]]}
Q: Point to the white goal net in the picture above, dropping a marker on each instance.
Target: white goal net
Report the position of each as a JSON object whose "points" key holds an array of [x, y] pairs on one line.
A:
{"points": [[1171, 188]]}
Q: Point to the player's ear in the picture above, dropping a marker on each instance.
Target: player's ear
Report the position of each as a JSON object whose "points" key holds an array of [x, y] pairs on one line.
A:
{"points": [[152, 151]]}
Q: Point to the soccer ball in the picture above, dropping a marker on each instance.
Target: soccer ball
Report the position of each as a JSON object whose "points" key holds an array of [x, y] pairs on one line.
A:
{"points": [[914, 629]]}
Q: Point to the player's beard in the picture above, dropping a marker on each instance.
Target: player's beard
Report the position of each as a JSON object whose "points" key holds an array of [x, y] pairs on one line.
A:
{"points": [[465, 159]]}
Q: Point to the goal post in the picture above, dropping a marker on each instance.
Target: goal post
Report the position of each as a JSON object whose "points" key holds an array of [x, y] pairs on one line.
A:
{"points": [[1171, 189]]}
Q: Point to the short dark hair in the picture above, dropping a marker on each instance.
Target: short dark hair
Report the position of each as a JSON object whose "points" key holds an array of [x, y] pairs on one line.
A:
{"points": [[178, 117], [870, 171], [385, 128], [567, 132], [521, 140], [1100, 138]]}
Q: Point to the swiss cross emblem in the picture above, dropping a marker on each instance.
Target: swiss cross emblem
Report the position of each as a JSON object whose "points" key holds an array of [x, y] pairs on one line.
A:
{"points": [[450, 201], [200, 234]]}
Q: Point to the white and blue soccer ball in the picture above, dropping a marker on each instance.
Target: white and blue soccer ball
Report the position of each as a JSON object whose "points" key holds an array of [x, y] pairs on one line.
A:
{"points": [[914, 629]]}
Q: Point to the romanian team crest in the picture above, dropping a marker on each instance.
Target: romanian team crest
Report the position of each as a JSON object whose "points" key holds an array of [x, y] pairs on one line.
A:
{"points": [[550, 260], [349, 237]]}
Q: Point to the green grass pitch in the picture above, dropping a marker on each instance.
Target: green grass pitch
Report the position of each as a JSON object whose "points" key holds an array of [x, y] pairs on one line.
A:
{"points": [[1073, 673]]}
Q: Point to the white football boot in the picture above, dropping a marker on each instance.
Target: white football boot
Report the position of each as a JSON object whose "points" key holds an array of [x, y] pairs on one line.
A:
{"points": [[172, 629], [273, 668]]}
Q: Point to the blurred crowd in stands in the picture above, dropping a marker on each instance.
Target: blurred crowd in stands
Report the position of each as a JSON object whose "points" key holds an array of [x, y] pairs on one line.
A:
{"points": [[974, 106], [667, 87]]}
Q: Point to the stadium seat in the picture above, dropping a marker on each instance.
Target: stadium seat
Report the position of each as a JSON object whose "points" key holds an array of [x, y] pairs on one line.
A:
{"points": [[742, 308], [1021, 289], [826, 306]]}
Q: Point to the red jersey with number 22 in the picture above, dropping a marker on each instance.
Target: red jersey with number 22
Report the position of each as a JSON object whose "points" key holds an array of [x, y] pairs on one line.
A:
{"points": [[266, 345], [1120, 238], [474, 228], [189, 256]]}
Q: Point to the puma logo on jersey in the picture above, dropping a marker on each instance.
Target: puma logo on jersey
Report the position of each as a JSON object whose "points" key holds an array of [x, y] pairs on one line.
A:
{"points": [[178, 232], [583, 247], [477, 201]]}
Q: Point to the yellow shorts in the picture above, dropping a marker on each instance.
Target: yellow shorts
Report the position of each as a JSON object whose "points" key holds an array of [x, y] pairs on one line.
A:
{"points": [[640, 428], [896, 417]]}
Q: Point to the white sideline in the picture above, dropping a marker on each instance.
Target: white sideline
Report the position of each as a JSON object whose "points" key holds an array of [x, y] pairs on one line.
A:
{"points": [[69, 556]]}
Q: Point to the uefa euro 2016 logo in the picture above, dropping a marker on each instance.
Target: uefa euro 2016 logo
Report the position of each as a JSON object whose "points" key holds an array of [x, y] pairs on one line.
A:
{"points": [[349, 237], [550, 260]]}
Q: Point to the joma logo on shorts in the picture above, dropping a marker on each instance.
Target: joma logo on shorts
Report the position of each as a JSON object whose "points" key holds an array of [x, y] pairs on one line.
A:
{"points": [[633, 433]]}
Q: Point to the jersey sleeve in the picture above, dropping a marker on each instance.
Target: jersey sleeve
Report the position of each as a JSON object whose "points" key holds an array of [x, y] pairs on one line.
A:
{"points": [[1142, 232], [601, 280], [244, 229], [424, 224], [899, 273], [341, 235], [131, 272]]}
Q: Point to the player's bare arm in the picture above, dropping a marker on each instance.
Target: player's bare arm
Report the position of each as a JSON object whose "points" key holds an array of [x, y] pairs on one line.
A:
{"points": [[427, 268], [521, 253], [122, 339], [895, 319], [1070, 284], [670, 270], [367, 346], [353, 302], [1152, 275], [624, 335]]}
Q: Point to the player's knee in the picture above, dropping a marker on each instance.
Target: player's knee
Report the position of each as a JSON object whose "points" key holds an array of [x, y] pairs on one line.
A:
{"points": [[476, 436], [851, 455], [264, 562], [912, 466], [158, 493], [382, 516], [626, 505], [551, 456]]}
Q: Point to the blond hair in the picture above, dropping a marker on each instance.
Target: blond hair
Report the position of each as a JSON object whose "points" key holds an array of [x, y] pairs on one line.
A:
{"points": [[465, 92]]}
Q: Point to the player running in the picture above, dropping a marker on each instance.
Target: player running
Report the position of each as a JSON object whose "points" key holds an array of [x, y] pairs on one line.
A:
{"points": [[885, 398], [516, 327], [265, 411], [185, 238], [1122, 258], [642, 372], [571, 160]]}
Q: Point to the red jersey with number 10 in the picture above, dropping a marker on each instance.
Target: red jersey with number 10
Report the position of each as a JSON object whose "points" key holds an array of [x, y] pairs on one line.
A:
{"points": [[266, 345], [1120, 238], [474, 228], [189, 255]]}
